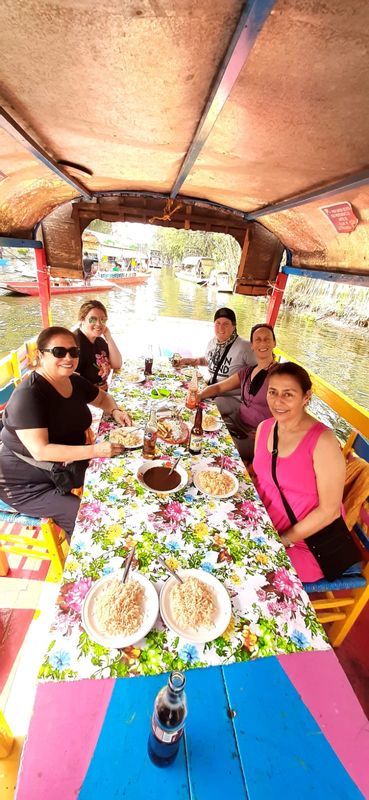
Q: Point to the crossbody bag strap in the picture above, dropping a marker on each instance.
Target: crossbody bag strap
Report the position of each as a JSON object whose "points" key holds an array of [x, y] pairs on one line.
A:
{"points": [[220, 362], [291, 516], [48, 465]]}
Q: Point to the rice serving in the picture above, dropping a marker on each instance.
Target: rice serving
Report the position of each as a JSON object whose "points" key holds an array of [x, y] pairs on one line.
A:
{"points": [[120, 607], [193, 604], [215, 483]]}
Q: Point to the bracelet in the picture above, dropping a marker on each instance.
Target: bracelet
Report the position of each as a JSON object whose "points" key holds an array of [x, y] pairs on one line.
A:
{"points": [[116, 408], [287, 541]]}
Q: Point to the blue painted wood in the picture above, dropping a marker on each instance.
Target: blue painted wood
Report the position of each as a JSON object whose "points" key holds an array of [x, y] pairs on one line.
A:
{"points": [[120, 766], [335, 277], [284, 753], [6, 241], [361, 447]]}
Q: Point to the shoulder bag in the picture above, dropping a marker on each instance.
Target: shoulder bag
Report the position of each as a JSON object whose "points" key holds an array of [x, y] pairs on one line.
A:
{"points": [[64, 476], [333, 547], [214, 376]]}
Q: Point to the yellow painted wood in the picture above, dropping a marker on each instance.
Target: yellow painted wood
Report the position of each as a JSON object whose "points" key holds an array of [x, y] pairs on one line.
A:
{"points": [[338, 631], [9, 770], [6, 371], [49, 546], [6, 737], [335, 602], [355, 415], [4, 565], [330, 617]]}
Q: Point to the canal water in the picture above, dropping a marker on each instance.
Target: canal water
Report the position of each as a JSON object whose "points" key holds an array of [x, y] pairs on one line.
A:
{"points": [[334, 352]]}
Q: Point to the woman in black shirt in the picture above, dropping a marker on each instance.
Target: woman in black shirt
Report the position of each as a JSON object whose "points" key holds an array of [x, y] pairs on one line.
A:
{"points": [[98, 352], [46, 419]]}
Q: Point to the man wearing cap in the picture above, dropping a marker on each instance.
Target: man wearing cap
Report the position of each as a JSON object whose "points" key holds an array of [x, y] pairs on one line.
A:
{"points": [[226, 353]]}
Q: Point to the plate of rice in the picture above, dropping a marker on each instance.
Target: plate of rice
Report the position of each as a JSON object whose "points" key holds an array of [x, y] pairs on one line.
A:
{"points": [[130, 437], [211, 423], [116, 614], [133, 377], [213, 483], [199, 609]]}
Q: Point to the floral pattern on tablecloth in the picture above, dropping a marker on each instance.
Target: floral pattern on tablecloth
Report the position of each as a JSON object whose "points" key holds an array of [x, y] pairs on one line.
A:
{"points": [[231, 538]]}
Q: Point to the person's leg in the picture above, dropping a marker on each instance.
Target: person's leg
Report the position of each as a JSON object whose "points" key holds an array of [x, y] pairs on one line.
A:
{"points": [[229, 408], [43, 500]]}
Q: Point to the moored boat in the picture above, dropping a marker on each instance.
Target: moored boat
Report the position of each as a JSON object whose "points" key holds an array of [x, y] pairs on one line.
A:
{"points": [[31, 288], [125, 278]]}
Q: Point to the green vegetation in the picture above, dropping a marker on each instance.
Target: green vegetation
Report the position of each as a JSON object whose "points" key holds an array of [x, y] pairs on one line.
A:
{"points": [[174, 245]]}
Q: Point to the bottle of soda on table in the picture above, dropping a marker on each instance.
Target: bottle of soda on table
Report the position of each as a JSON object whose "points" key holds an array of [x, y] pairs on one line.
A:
{"points": [[167, 724], [150, 435], [149, 361], [192, 394], [197, 434]]}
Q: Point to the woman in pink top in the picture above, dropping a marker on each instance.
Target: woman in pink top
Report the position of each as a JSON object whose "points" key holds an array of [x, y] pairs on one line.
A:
{"points": [[310, 467]]}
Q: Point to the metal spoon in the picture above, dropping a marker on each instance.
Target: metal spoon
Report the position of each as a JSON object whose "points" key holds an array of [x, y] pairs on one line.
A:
{"points": [[172, 572], [127, 564], [221, 465], [174, 465]]}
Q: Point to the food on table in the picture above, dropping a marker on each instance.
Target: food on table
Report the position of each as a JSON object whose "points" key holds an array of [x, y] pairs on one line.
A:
{"points": [[193, 604], [172, 430], [158, 478], [133, 377], [210, 422], [126, 438], [215, 483], [120, 607]]}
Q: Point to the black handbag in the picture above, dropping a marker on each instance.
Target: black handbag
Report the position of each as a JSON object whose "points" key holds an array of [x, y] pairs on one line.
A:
{"points": [[333, 547], [64, 476]]}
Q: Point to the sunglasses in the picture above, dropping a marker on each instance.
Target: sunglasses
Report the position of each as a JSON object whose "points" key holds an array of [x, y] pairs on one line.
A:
{"points": [[94, 320], [60, 352]]}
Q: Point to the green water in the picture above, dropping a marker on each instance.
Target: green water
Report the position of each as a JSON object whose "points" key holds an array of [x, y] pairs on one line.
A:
{"points": [[334, 352]]}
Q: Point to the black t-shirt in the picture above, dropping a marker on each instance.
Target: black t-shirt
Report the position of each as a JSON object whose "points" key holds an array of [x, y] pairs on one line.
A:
{"points": [[93, 357], [36, 404]]}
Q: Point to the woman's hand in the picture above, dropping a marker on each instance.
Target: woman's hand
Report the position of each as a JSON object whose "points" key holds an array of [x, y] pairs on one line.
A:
{"points": [[107, 450], [121, 416]]}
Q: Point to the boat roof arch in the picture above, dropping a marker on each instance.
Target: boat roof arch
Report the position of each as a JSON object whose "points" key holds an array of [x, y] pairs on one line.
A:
{"points": [[206, 115]]}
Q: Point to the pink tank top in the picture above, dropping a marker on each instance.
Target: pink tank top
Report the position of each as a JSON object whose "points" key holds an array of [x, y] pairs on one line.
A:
{"points": [[295, 475]]}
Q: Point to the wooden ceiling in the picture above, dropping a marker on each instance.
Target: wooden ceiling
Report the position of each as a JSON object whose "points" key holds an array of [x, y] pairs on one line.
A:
{"points": [[255, 107]]}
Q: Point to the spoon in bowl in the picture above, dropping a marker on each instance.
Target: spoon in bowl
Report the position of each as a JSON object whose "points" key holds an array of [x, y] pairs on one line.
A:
{"points": [[127, 564], [174, 465], [172, 572]]}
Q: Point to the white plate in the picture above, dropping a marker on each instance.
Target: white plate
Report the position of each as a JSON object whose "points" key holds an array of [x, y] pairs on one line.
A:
{"points": [[222, 614], [133, 377], [130, 429], [159, 462], [92, 625], [216, 470], [216, 424]]}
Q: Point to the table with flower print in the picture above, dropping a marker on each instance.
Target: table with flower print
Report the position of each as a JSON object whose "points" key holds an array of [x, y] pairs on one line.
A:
{"points": [[270, 678], [231, 538]]}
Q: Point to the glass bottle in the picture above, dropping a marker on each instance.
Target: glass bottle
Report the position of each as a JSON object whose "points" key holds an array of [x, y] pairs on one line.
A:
{"points": [[192, 394], [150, 435], [197, 434], [149, 361], [167, 723]]}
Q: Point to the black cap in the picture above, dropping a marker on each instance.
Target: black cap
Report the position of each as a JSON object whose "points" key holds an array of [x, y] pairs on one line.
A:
{"points": [[228, 313]]}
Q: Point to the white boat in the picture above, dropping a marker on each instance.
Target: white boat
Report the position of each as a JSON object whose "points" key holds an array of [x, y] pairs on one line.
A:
{"points": [[223, 282], [195, 269], [190, 275]]}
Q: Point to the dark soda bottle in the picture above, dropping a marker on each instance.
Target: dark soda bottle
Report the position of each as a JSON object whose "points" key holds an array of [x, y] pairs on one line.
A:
{"points": [[167, 724], [197, 434]]}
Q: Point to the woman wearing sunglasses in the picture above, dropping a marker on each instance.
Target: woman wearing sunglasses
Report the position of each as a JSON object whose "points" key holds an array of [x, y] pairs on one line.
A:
{"points": [[46, 419], [98, 352]]}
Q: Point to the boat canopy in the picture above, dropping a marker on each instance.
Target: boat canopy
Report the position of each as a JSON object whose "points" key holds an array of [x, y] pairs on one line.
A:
{"points": [[205, 114]]}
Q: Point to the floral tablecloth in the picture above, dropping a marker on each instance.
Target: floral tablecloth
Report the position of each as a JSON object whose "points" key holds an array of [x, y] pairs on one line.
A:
{"points": [[232, 538]]}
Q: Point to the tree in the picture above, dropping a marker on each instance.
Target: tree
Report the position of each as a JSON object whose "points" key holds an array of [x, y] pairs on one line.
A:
{"points": [[101, 226], [175, 244]]}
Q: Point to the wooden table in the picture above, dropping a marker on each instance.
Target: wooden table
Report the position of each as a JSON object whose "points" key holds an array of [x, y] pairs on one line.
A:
{"points": [[298, 728]]}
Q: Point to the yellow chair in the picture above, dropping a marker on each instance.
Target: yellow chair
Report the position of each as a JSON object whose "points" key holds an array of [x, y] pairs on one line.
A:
{"points": [[341, 601], [6, 737], [50, 545]]}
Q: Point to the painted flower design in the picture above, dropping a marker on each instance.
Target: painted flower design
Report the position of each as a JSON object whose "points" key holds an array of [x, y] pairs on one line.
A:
{"points": [[286, 582], [60, 660], [189, 654], [174, 512], [300, 639], [201, 531], [77, 593]]}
